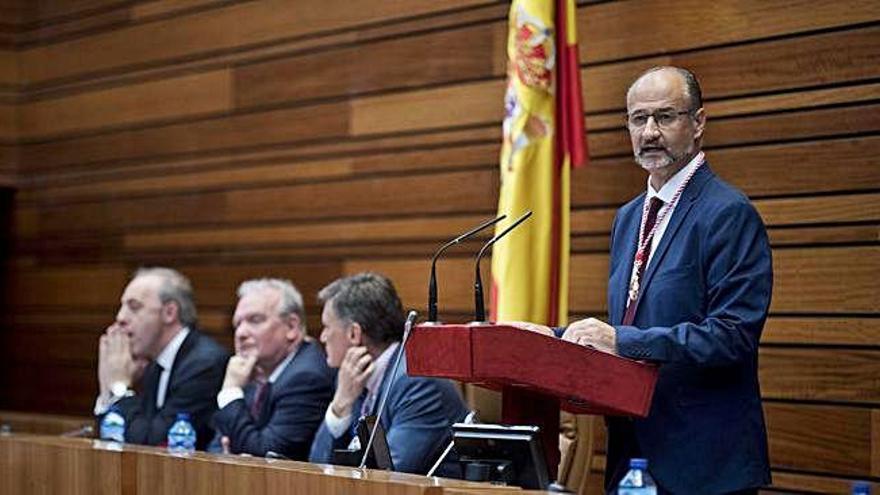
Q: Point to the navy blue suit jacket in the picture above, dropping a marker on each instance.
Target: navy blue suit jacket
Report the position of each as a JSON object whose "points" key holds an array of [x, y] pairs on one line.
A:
{"points": [[290, 413], [417, 421], [195, 379], [706, 292]]}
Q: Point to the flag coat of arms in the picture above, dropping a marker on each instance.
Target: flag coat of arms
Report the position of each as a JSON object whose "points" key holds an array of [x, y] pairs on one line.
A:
{"points": [[543, 137]]}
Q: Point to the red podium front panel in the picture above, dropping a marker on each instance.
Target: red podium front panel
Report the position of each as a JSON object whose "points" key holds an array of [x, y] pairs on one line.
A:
{"points": [[496, 356], [537, 374]]}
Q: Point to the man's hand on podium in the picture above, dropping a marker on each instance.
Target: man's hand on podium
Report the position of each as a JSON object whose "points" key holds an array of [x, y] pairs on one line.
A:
{"points": [[594, 333], [532, 327]]}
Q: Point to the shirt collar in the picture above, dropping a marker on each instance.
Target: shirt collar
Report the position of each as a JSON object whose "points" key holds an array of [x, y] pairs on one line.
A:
{"points": [[667, 192], [166, 357], [375, 379], [281, 367]]}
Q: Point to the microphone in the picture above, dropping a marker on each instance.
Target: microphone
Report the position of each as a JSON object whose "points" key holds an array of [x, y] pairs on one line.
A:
{"points": [[407, 328], [432, 283], [479, 309]]}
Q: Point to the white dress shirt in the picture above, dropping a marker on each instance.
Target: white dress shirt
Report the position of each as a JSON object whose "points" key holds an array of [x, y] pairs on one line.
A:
{"points": [[166, 361], [667, 194]]}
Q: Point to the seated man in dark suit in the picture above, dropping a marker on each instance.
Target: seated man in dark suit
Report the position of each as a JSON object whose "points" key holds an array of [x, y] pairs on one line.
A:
{"points": [[363, 325], [154, 341], [278, 384]]}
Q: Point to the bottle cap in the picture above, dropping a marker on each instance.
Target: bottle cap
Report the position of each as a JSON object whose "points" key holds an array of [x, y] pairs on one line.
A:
{"points": [[861, 488], [638, 463], [183, 415]]}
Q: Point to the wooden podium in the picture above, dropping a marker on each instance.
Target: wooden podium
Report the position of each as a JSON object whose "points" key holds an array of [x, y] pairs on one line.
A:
{"points": [[536, 374]]}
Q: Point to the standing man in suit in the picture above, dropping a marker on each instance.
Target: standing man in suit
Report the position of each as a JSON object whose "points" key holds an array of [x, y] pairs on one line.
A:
{"points": [[154, 342], [689, 289], [363, 326], [277, 384]]}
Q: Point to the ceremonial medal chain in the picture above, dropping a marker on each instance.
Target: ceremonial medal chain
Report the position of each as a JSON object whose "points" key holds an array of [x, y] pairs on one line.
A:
{"points": [[645, 239]]}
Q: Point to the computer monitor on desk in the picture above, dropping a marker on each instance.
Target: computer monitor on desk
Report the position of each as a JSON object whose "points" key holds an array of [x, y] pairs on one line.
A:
{"points": [[513, 455]]}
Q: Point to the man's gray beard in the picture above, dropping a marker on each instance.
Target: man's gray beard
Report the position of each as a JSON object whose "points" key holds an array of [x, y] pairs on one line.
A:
{"points": [[653, 165]]}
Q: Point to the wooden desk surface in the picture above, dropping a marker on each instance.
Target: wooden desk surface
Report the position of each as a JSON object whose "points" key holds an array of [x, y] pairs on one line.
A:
{"points": [[36, 464]]}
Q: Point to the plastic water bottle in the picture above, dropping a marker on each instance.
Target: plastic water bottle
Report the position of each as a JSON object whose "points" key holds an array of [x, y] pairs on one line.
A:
{"points": [[637, 481], [182, 435], [861, 488], [113, 426]]}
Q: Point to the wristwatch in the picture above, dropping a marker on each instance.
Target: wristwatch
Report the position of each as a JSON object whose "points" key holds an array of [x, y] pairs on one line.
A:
{"points": [[120, 390]]}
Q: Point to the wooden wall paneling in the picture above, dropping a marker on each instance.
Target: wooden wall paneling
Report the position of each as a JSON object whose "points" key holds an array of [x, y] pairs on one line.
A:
{"points": [[367, 67], [611, 30], [765, 170], [760, 170], [266, 172], [839, 330], [843, 375], [806, 280], [805, 483], [441, 193], [852, 158], [9, 73], [44, 286], [54, 388], [448, 106], [236, 25], [44, 424], [826, 280], [590, 229], [820, 209], [427, 149], [737, 130], [802, 99], [54, 345], [820, 439], [825, 235], [320, 140], [151, 10], [875, 443], [154, 101], [742, 70], [323, 234], [8, 123], [244, 130], [72, 25], [451, 192]]}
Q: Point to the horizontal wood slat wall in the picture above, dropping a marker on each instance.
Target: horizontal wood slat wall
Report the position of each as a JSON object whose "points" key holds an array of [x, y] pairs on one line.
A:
{"points": [[311, 139]]}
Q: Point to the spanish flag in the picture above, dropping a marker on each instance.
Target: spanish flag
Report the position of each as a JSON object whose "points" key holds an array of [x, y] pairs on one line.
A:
{"points": [[543, 138]]}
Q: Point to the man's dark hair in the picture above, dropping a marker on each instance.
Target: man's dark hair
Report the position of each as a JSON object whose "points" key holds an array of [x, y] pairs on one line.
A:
{"points": [[692, 86], [368, 299], [176, 288]]}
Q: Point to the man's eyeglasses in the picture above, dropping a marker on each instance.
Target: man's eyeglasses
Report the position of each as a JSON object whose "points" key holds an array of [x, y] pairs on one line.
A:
{"points": [[663, 118]]}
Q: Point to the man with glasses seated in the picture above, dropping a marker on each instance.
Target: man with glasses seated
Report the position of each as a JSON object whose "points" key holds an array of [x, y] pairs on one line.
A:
{"points": [[689, 289]]}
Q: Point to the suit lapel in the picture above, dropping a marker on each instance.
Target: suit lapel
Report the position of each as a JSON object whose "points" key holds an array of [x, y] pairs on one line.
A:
{"points": [[188, 343], [628, 244], [688, 199]]}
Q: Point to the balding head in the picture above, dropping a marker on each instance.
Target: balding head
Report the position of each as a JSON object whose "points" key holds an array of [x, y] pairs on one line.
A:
{"points": [[666, 121], [689, 86]]}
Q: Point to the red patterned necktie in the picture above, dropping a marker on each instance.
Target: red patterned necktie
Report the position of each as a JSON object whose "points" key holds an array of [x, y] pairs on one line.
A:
{"points": [[260, 394], [653, 208]]}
